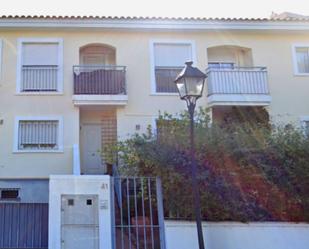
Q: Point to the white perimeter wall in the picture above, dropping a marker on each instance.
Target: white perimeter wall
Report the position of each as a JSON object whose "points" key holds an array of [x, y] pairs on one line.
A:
{"points": [[80, 185], [234, 235]]}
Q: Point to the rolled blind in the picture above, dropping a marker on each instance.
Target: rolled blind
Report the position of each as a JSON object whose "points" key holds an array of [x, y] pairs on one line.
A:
{"points": [[40, 53], [175, 55], [39, 134]]}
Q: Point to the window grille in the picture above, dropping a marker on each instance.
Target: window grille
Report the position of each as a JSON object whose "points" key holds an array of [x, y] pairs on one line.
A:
{"points": [[34, 135]]}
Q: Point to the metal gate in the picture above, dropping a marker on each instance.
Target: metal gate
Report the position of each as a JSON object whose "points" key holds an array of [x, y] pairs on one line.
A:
{"points": [[138, 213], [79, 222], [24, 225]]}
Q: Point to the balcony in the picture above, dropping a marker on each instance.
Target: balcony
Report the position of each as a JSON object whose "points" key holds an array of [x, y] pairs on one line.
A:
{"points": [[99, 85], [238, 86]]}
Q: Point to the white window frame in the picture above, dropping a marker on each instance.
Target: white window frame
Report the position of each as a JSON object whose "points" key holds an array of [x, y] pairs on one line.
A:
{"points": [[295, 66], [152, 43], [39, 118], [20, 43]]}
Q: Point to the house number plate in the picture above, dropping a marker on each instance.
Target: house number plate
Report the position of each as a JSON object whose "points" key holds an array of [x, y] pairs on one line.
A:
{"points": [[103, 204]]}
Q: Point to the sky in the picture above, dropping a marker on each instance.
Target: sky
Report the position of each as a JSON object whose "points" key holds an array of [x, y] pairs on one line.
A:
{"points": [[160, 8]]}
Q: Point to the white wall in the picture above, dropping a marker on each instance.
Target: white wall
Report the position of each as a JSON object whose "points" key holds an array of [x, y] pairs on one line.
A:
{"points": [[79, 185], [234, 235]]}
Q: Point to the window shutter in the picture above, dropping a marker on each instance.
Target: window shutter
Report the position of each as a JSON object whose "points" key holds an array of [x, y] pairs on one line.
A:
{"points": [[40, 54], [172, 55], [38, 134], [302, 55]]}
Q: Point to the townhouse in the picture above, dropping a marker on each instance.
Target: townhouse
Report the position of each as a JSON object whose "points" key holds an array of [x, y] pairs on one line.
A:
{"points": [[71, 85]]}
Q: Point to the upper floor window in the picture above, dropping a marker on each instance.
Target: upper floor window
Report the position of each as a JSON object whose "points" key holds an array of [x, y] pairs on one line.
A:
{"points": [[41, 134], [301, 59], [40, 66], [168, 60]]}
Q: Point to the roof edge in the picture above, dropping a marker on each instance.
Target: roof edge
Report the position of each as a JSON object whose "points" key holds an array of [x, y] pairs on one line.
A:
{"points": [[110, 22]]}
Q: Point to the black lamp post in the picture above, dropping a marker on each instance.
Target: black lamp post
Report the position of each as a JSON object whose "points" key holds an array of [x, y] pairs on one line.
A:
{"points": [[190, 85]]}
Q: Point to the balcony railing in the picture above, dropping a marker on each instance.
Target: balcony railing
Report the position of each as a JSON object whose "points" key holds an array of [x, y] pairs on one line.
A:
{"points": [[239, 80], [39, 78], [165, 77], [99, 80]]}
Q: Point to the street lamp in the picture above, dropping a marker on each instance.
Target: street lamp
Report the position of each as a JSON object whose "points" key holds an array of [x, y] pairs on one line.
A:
{"points": [[190, 85]]}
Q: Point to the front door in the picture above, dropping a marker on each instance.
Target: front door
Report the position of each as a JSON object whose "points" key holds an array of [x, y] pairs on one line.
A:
{"points": [[91, 141]]}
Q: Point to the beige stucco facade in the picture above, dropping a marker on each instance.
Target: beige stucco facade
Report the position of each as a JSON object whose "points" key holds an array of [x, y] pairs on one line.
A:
{"points": [[289, 92]]}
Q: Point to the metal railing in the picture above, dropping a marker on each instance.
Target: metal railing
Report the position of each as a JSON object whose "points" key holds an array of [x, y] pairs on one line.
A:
{"points": [[99, 79], [165, 77], [138, 213], [24, 225], [239, 80], [39, 78]]}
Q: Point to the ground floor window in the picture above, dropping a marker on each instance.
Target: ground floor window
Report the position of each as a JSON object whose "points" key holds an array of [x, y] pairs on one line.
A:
{"points": [[38, 134]]}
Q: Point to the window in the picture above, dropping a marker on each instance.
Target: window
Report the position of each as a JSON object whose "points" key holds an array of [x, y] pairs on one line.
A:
{"points": [[301, 59], [40, 66], [221, 65], [9, 194], [43, 135], [37, 134], [168, 60]]}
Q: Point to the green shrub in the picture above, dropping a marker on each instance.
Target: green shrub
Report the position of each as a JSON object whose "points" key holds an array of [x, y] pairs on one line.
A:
{"points": [[247, 171]]}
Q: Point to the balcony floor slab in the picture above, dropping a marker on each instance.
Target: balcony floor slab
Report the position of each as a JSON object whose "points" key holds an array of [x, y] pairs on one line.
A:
{"points": [[82, 100], [239, 99]]}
